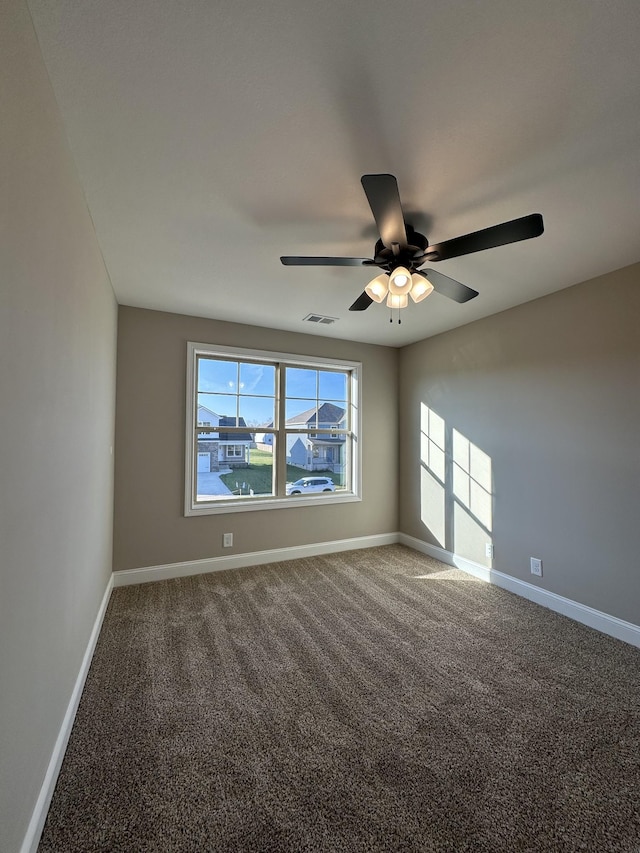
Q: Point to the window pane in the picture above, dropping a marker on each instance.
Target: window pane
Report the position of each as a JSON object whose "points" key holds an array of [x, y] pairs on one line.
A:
{"points": [[298, 413], [331, 414], [258, 379], [233, 472], [216, 375], [257, 410], [332, 385], [222, 405], [301, 383], [308, 454]]}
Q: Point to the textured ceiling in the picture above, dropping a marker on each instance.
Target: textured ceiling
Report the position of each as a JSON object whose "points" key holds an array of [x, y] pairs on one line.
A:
{"points": [[212, 137]]}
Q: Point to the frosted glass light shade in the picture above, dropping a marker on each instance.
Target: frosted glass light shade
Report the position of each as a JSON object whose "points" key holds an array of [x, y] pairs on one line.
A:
{"points": [[400, 281], [420, 288], [397, 300], [377, 289]]}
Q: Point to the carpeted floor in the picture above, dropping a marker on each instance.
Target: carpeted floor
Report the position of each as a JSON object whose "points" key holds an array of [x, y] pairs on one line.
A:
{"points": [[373, 700]]}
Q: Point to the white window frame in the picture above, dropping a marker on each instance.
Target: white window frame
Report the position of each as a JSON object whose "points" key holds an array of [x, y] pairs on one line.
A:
{"points": [[193, 508], [234, 451]]}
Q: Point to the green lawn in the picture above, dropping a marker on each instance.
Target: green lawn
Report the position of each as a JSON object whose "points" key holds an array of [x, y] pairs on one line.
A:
{"points": [[258, 476]]}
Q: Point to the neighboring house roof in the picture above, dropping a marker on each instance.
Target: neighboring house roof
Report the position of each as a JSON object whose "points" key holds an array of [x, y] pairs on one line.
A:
{"points": [[209, 417], [202, 408], [260, 429], [237, 437], [327, 413]]}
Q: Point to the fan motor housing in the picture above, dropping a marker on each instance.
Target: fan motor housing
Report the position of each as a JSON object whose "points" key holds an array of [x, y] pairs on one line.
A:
{"points": [[416, 245]]}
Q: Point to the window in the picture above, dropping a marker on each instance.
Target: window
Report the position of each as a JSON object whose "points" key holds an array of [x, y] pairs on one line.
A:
{"points": [[235, 450], [278, 417]]}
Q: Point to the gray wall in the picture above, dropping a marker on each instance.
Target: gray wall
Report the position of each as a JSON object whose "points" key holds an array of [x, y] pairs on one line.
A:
{"points": [[149, 526], [549, 392], [57, 387]]}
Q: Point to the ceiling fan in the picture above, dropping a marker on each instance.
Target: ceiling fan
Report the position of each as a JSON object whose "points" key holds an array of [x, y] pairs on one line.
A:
{"points": [[401, 250]]}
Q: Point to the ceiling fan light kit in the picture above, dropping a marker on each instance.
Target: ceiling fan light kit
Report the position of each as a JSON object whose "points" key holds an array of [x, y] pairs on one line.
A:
{"points": [[401, 251], [421, 287], [397, 300], [400, 281], [417, 286], [377, 288]]}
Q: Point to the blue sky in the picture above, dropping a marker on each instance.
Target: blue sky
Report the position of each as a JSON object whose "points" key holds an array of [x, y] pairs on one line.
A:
{"points": [[222, 383]]}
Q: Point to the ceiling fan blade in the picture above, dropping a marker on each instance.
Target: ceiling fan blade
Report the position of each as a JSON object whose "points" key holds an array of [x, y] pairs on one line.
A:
{"points": [[448, 286], [384, 201], [292, 261], [489, 238], [362, 302]]}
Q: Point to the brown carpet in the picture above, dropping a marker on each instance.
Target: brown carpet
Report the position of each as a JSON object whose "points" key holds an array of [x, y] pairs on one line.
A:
{"points": [[368, 701]]}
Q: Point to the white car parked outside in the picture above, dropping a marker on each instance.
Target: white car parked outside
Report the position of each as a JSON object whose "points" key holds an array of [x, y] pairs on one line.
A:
{"points": [[305, 485]]}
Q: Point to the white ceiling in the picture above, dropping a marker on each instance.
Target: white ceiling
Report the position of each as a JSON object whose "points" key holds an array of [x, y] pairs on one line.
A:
{"points": [[213, 136]]}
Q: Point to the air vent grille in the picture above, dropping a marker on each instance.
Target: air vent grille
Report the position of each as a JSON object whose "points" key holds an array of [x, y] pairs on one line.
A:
{"points": [[320, 318]]}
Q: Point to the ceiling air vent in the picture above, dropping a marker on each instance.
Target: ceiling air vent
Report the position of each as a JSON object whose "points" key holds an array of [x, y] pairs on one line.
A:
{"points": [[320, 318]]}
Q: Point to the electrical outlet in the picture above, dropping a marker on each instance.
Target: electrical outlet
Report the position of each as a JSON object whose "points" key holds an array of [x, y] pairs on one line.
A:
{"points": [[536, 566], [227, 540], [488, 550]]}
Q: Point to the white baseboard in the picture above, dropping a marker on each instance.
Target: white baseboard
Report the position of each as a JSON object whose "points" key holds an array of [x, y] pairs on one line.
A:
{"points": [[126, 577], [39, 814], [611, 625]]}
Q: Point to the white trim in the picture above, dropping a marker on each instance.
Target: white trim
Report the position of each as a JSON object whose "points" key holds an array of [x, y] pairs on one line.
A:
{"points": [[611, 625], [190, 475], [269, 356], [39, 814], [352, 435], [126, 577], [248, 505]]}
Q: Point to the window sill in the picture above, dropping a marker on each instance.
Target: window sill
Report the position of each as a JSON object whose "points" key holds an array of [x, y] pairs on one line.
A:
{"points": [[249, 505]]}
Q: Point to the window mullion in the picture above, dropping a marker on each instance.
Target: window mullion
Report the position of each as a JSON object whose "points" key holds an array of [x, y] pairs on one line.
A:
{"points": [[281, 435]]}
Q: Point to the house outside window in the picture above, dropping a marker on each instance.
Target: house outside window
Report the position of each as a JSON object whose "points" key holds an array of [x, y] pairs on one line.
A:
{"points": [[235, 451], [278, 417]]}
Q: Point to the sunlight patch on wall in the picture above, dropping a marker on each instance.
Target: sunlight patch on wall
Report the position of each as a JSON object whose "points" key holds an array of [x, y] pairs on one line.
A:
{"points": [[432, 473], [432, 506], [456, 489], [432, 436], [472, 479], [469, 537], [473, 500]]}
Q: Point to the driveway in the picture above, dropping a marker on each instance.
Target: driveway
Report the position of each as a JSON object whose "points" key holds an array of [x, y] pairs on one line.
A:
{"points": [[209, 483]]}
